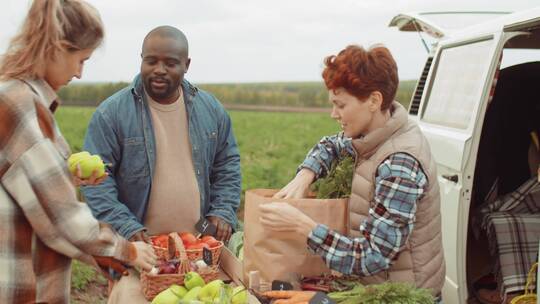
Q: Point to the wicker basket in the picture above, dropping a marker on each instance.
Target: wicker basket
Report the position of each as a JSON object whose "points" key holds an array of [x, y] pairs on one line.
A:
{"points": [[161, 252], [192, 254], [154, 284], [197, 254]]}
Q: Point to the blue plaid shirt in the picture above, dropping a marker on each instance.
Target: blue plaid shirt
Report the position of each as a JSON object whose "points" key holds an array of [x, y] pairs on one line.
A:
{"points": [[399, 184]]}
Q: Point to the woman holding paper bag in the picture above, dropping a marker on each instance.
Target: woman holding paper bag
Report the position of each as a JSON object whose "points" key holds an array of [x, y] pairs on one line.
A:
{"points": [[394, 204]]}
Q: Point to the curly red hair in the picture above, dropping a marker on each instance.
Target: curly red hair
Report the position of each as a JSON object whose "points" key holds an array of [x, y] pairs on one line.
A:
{"points": [[361, 72]]}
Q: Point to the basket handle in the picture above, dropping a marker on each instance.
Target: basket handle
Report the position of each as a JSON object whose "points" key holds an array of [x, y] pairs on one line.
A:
{"points": [[175, 243]]}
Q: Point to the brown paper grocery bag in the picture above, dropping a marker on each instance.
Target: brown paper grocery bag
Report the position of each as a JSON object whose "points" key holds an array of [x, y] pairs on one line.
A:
{"points": [[278, 255]]}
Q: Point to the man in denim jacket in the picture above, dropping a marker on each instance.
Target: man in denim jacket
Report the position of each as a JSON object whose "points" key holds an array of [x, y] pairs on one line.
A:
{"points": [[164, 173]]}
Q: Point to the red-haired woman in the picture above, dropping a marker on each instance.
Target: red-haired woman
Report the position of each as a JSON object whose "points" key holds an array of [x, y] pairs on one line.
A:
{"points": [[42, 225], [394, 203]]}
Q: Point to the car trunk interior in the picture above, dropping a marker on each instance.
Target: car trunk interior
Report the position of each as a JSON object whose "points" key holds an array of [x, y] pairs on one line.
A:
{"points": [[508, 152]]}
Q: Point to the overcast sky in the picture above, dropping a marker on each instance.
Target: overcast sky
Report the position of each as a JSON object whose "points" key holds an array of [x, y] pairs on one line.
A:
{"points": [[253, 40]]}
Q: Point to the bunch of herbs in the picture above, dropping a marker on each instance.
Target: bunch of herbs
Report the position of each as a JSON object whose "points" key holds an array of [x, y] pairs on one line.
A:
{"points": [[337, 183]]}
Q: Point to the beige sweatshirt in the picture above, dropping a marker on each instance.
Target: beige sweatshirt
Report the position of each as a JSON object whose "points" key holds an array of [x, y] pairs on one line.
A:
{"points": [[174, 204]]}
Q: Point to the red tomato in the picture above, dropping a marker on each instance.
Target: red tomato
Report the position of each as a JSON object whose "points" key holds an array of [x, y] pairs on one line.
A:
{"points": [[161, 241], [211, 241], [187, 238], [199, 245], [207, 238]]}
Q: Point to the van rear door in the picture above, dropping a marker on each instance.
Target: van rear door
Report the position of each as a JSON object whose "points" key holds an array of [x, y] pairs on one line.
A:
{"points": [[450, 114], [458, 86], [441, 24]]}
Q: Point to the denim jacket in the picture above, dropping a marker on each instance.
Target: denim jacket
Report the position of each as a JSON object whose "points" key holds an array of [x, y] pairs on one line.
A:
{"points": [[121, 132]]}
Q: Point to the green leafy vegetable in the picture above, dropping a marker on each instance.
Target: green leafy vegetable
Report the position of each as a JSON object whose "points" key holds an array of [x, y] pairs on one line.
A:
{"points": [[385, 293], [236, 243], [338, 182]]}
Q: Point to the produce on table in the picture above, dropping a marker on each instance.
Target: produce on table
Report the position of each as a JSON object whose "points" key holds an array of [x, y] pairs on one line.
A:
{"points": [[211, 290], [338, 182], [168, 267], [239, 295], [347, 290], [195, 289], [154, 271], [88, 164], [236, 244], [192, 295], [161, 241], [178, 290], [289, 296], [388, 292], [170, 295], [215, 292], [192, 280], [241, 253], [188, 239], [198, 266], [328, 283]]}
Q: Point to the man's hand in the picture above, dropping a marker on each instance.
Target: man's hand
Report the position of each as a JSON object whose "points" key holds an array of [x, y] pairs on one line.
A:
{"points": [[140, 236], [299, 186], [224, 230]]}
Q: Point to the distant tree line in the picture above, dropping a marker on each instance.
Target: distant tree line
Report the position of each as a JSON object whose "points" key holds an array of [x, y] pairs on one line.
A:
{"points": [[293, 94], [89, 94]]}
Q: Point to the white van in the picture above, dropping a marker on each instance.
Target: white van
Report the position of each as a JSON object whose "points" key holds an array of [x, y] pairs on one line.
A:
{"points": [[450, 105]]}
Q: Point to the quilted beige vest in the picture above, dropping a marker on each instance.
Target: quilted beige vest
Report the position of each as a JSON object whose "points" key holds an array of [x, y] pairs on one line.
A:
{"points": [[421, 261]]}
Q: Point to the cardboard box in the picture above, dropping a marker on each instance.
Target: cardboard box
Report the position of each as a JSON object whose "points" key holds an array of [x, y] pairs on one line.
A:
{"points": [[233, 268]]}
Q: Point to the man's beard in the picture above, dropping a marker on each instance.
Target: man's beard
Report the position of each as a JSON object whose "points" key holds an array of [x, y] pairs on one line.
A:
{"points": [[160, 94]]}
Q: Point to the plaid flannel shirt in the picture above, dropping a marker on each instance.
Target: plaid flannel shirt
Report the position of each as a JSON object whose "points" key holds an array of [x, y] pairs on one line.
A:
{"points": [[399, 184], [42, 225]]}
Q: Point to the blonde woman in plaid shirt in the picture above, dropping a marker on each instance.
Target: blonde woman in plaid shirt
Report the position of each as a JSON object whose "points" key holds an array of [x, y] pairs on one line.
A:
{"points": [[42, 225]]}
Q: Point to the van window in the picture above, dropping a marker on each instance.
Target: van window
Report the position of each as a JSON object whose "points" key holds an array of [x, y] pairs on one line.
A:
{"points": [[518, 56], [458, 83]]}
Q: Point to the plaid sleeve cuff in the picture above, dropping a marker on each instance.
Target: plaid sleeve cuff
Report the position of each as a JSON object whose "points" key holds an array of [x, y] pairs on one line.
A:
{"points": [[316, 237], [312, 164]]}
